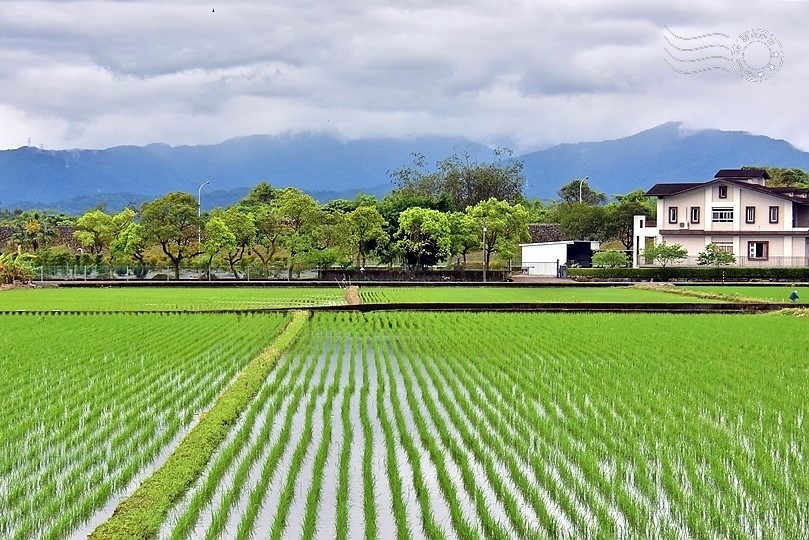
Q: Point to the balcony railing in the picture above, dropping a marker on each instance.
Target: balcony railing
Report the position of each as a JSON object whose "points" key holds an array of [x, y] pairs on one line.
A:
{"points": [[770, 262]]}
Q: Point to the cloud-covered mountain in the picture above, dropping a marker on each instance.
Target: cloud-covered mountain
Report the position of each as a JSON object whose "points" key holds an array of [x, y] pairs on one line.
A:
{"points": [[74, 180], [665, 153]]}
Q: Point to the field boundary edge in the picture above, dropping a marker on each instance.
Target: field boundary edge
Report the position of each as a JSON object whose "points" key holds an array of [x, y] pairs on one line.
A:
{"points": [[141, 515]]}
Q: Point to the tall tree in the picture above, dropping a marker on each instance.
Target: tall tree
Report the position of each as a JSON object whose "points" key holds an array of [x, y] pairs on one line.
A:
{"points": [[463, 179], [131, 242], [620, 216], [266, 242], [172, 222], [243, 226], [366, 230], [784, 177], [570, 193], [505, 226], [465, 234], [424, 236], [299, 217], [581, 221], [97, 230], [218, 237], [262, 193]]}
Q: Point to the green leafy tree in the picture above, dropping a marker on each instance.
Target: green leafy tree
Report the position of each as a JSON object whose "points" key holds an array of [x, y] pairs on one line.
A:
{"points": [[581, 221], [366, 232], [569, 193], [506, 226], [619, 216], [713, 255], [464, 180], [131, 242], [218, 237], [262, 194], [465, 235], [665, 254], [265, 244], [391, 208], [171, 221], [424, 236], [299, 217], [242, 225], [785, 177], [610, 258], [96, 231]]}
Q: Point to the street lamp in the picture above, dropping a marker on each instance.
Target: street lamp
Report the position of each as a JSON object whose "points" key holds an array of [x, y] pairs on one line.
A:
{"points": [[199, 209], [580, 183], [484, 252]]}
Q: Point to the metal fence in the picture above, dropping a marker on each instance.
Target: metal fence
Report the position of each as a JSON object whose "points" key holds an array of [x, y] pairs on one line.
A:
{"points": [[770, 262], [78, 272]]}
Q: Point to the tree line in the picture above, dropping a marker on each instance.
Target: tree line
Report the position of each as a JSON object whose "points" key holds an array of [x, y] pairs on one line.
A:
{"points": [[433, 216]]}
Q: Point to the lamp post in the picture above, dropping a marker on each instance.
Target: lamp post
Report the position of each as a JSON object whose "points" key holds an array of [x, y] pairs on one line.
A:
{"points": [[484, 251], [580, 184], [199, 210]]}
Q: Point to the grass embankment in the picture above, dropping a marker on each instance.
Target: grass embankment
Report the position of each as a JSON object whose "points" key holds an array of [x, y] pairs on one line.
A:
{"points": [[140, 516], [703, 295]]}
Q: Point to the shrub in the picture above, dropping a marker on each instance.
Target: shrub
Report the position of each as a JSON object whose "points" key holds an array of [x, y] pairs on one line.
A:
{"points": [[610, 258]]}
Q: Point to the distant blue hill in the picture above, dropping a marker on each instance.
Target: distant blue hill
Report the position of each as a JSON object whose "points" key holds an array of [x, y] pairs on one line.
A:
{"points": [[326, 167], [666, 153]]}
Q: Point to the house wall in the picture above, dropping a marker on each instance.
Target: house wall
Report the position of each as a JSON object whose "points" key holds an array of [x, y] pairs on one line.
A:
{"points": [[762, 202], [683, 203]]}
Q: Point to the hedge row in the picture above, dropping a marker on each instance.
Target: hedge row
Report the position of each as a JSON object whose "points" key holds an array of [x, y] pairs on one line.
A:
{"points": [[679, 273]]}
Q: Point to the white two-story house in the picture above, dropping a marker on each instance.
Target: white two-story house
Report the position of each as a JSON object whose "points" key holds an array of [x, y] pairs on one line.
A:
{"points": [[760, 225]]}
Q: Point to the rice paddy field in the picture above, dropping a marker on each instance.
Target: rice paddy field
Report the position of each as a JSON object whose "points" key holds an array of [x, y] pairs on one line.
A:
{"points": [[381, 295], [88, 401], [412, 424], [778, 293], [167, 299]]}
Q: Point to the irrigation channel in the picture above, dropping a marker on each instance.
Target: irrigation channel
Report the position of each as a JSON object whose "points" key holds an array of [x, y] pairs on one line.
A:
{"points": [[382, 426]]}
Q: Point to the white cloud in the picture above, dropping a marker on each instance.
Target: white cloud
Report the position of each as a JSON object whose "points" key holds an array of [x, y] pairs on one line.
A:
{"points": [[523, 73]]}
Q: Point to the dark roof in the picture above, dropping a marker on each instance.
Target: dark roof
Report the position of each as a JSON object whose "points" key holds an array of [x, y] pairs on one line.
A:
{"points": [[742, 173], [661, 190], [664, 190]]}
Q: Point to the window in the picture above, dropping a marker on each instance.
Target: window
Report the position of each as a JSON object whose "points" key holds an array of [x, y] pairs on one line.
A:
{"points": [[722, 215], [695, 214], [750, 214], [773, 214], [758, 250], [723, 192], [672, 214], [724, 246]]}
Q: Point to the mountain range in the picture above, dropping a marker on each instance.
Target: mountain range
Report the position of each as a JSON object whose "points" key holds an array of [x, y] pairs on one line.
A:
{"points": [[326, 167]]}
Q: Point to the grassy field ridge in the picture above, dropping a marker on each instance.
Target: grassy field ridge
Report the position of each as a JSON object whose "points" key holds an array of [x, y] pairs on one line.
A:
{"points": [[140, 515]]}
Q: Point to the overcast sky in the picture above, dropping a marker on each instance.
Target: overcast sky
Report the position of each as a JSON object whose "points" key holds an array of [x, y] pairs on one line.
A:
{"points": [[525, 74]]}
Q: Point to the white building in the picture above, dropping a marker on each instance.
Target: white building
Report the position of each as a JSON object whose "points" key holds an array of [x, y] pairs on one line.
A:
{"points": [[545, 258], [737, 211]]}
